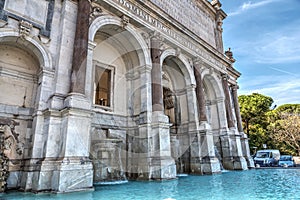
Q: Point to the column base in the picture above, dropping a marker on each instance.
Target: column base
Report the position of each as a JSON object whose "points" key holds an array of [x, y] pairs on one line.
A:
{"points": [[75, 174], [235, 163], [157, 168], [64, 176], [206, 165], [250, 162], [246, 150], [158, 164]]}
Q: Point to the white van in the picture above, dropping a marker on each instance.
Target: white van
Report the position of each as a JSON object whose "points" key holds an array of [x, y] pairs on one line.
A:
{"points": [[267, 158]]}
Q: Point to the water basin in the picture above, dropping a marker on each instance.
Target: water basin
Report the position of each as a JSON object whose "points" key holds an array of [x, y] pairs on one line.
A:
{"points": [[252, 184]]}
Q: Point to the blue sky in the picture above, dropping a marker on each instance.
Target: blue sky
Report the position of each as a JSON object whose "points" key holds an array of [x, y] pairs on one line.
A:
{"points": [[264, 36]]}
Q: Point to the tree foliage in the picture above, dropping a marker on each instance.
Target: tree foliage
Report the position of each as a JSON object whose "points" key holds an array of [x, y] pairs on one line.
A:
{"points": [[254, 109], [277, 128], [284, 126]]}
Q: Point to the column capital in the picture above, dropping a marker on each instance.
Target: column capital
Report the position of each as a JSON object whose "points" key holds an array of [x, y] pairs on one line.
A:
{"points": [[234, 87], [91, 45], [197, 61], [191, 87], [154, 35], [216, 4], [224, 76], [145, 69]]}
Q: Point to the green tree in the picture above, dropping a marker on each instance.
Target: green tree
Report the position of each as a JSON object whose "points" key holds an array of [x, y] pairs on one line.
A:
{"points": [[284, 126], [289, 109], [254, 109]]}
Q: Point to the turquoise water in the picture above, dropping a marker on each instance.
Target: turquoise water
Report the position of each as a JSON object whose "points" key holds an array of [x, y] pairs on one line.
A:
{"points": [[242, 185]]}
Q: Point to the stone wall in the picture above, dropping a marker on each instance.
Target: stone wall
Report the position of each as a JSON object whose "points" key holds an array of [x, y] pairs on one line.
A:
{"points": [[195, 15]]}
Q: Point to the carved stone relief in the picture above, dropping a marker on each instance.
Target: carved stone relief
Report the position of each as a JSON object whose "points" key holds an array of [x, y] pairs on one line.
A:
{"points": [[96, 11], [9, 147], [25, 28]]}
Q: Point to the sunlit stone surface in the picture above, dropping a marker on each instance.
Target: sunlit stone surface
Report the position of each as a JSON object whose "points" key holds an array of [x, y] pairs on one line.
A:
{"points": [[115, 90]]}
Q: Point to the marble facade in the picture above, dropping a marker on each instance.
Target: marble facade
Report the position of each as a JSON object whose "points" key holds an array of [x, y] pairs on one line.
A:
{"points": [[108, 90]]}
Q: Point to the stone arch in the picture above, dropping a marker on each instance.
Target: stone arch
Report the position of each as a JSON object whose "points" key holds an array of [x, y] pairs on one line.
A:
{"points": [[177, 68], [128, 58], [38, 77], [36, 49], [133, 50], [212, 81], [111, 20], [180, 73], [186, 68], [31, 44], [214, 96]]}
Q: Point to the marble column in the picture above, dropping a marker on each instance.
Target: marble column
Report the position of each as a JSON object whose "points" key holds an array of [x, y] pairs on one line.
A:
{"points": [[234, 158], [200, 92], [156, 74], [244, 138], [203, 157], [227, 101], [160, 163], [237, 108], [80, 47], [67, 167]]}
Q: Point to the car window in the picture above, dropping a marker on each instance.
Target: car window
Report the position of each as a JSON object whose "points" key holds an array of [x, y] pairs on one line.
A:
{"points": [[262, 155]]}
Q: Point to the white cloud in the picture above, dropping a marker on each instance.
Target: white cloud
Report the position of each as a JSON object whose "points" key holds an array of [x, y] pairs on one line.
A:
{"points": [[273, 47], [279, 47], [249, 5], [283, 71], [283, 89]]}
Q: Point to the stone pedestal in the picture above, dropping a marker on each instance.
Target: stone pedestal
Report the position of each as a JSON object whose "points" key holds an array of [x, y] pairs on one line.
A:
{"points": [[162, 165], [68, 168], [75, 174], [232, 152], [107, 161], [203, 157], [246, 150]]}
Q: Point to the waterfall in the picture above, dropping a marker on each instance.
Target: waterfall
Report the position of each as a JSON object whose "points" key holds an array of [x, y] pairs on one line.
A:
{"points": [[107, 160], [219, 157]]}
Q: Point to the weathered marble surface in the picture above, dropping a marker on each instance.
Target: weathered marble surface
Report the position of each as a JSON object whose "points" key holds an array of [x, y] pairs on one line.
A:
{"points": [[68, 142], [193, 14]]}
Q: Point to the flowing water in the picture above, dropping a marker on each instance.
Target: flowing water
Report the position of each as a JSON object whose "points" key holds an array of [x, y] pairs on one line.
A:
{"points": [[241, 185]]}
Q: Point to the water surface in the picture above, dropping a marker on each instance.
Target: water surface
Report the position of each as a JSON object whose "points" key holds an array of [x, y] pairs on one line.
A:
{"points": [[241, 185]]}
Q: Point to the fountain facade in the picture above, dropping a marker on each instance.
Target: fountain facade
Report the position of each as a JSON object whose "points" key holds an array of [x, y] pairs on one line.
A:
{"points": [[114, 90]]}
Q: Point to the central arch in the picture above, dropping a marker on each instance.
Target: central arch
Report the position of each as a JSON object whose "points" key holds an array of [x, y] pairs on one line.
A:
{"points": [[178, 105], [118, 59]]}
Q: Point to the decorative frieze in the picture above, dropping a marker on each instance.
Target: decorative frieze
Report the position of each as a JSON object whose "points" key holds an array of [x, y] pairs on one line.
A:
{"points": [[192, 14], [197, 48]]}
